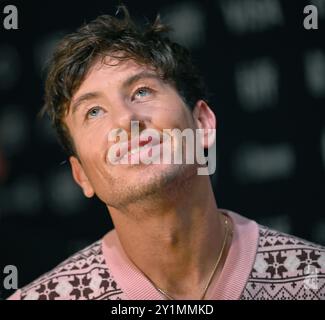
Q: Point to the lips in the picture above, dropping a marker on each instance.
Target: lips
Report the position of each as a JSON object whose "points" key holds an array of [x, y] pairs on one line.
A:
{"points": [[136, 145]]}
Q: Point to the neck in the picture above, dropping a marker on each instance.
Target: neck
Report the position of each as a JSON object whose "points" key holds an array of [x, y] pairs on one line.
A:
{"points": [[186, 225]]}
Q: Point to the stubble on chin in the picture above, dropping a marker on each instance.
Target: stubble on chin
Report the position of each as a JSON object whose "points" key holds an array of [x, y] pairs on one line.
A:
{"points": [[150, 186]]}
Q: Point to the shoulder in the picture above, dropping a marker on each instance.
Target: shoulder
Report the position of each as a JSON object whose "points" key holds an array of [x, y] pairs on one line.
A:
{"points": [[84, 275], [286, 267]]}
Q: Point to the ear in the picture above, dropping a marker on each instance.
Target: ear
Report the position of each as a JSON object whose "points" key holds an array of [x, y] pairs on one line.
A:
{"points": [[80, 177], [205, 119]]}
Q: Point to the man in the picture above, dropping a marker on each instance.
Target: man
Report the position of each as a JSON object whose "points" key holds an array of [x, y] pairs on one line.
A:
{"points": [[170, 240]]}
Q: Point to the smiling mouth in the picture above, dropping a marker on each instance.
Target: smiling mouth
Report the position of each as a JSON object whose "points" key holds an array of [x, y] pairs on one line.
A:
{"points": [[144, 147], [127, 149], [138, 149]]}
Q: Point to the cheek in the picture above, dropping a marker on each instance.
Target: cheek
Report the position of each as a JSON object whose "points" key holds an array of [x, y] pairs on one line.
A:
{"points": [[182, 121], [174, 114], [91, 144], [92, 157]]}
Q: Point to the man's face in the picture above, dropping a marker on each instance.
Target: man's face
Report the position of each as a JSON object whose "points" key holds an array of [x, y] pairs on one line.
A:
{"points": [[110, 97]]}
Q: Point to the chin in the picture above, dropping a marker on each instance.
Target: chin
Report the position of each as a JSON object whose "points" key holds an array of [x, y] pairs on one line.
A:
{"points": [[142, 185]]}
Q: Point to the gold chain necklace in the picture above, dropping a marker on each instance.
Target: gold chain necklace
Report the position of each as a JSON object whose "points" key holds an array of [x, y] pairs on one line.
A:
{"points": [[169, 297]]}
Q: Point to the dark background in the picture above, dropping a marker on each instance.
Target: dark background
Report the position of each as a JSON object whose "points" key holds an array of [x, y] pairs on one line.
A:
{"points": [[266, 74]]}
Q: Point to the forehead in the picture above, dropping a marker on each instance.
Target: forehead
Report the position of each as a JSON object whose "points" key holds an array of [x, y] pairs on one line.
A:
{"points": [[110, 72]]}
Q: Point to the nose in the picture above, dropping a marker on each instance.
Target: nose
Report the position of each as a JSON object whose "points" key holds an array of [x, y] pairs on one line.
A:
{"points": [[127, 117]]}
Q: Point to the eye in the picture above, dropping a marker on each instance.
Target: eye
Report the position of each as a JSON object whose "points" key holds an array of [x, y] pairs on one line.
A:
{"points": [[141, 93], [94, 112]]}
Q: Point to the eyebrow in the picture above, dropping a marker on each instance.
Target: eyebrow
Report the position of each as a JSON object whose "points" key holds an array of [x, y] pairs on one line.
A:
{"points": [[138, 76], [83, 98], [126, 84]]}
